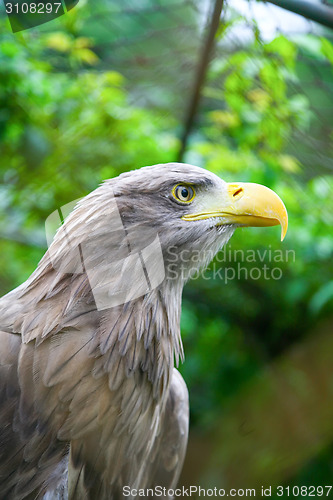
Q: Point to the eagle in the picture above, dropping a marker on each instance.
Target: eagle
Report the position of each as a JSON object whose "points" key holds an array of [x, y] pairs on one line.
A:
{"points": [[91, 403]]}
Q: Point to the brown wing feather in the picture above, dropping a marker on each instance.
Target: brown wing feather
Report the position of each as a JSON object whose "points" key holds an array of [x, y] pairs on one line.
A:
{"points": [[29, 456]]}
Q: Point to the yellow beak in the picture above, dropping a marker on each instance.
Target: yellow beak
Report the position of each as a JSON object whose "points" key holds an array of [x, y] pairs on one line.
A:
{"points": [[247, 204]]}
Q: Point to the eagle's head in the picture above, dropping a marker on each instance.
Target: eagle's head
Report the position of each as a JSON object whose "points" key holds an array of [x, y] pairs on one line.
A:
{"points": [[155, 225]]}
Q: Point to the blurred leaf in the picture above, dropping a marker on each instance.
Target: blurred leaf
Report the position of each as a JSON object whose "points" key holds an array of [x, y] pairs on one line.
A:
{"points": [[85, 55], [59, 41], [289, 163], [283, 47], [327, 49], [311, 44], [321, 298]]}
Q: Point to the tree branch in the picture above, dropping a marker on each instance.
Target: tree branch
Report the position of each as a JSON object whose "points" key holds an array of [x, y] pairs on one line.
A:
{"points": [[200, 77], [318, 12]]}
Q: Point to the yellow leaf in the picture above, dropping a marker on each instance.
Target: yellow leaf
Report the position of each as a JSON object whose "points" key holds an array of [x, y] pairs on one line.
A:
{"points": [[59, 41], [224, 119], [289, 163], [86, 56], [83, 43], [260, 98]]}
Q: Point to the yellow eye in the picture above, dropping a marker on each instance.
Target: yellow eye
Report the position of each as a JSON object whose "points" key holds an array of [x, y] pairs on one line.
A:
{"points": [[183, 193]]}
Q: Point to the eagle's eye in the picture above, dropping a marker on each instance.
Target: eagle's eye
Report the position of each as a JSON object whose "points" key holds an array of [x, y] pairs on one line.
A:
{"points": [[183, 193]]}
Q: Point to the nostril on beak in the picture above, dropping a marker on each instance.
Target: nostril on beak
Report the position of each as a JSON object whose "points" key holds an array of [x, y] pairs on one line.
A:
{"points": [[236, 193]]}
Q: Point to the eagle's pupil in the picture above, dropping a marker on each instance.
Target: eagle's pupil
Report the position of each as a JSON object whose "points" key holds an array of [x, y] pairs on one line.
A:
{"points": [[184, 193]]}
